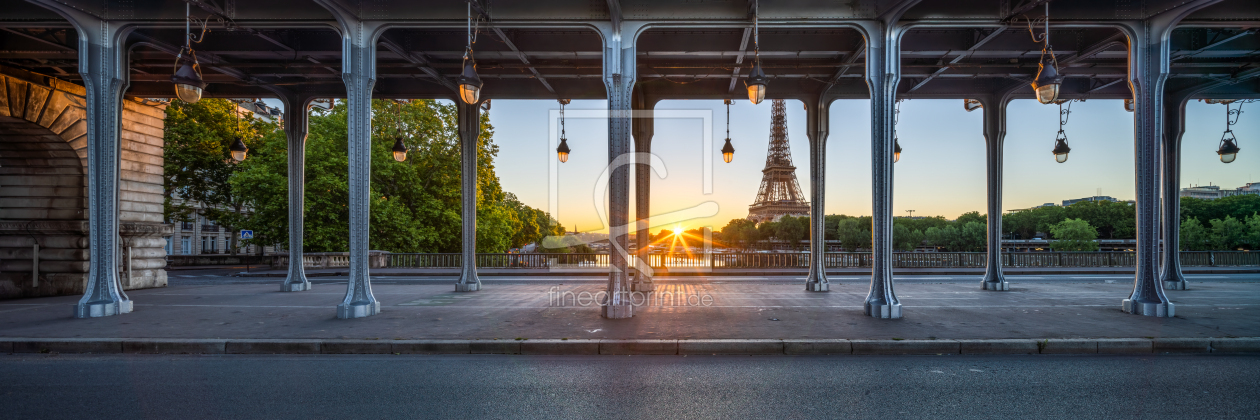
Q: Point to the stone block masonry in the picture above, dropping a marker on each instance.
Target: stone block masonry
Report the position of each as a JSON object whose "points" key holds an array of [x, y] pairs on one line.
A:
{"points": [[43, 189]]}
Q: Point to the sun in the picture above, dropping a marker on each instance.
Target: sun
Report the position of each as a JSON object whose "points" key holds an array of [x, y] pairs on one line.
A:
{"points": [[678, 230]]}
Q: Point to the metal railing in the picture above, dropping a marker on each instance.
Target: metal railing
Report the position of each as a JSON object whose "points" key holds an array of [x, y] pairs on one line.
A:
{"points": [[832, 260]]}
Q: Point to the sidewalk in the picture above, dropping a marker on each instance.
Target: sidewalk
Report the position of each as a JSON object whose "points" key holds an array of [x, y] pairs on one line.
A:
{"points": [[419, 272], [760, 317]]}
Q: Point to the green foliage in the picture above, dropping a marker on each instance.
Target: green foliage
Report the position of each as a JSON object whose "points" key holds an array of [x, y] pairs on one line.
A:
{"points": [[739, 232], [1074, 235], [905, 239], [1193, 236], [852, 234], [1239, 207], [1228, 234], [197, 165], [1253, 231], [792, 230], [1113, 220], [415, 204]]}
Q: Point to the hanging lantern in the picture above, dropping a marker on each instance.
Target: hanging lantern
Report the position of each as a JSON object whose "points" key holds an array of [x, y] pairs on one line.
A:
{"points": [[469, 82], [896, 150], [187, 76], [1061, 148], [1229, 148], [238, 150], [728, 151], [562, 152], [400, 149], [757, 83], [1046, 84]]}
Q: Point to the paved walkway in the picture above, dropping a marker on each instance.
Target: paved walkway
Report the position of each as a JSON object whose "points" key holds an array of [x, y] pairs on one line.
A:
{"points": [[410, 272], [680, 310]]}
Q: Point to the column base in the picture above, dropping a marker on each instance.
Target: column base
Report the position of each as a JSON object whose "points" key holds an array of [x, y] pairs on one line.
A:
{"points": [[102, 309], [618, 311], [995, 286], [883, 311], [1174, 285], [467, 287], [817, 287], [643, 286], [1162, 310], [358, 310], [295, 286]]}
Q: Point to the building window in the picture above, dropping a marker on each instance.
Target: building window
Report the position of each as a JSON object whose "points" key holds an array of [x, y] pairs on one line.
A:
{"points": [[167, 248], [185, 245]]}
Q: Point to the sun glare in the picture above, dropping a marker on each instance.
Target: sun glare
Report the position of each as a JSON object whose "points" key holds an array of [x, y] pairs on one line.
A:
{"points": [[678, 230]]}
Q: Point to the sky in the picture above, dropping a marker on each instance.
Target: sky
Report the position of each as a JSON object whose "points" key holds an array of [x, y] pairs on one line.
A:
{"points": [[941, 171]]}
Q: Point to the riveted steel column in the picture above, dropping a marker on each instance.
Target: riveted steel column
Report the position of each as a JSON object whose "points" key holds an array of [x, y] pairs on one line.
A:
{"points": [[619, 77], [643, 129], [883, 71], [103, 65], [816, 119], [1174, 127], [358, 71], [994, 137], [296, 125], [469, 132], [1148, 72]]}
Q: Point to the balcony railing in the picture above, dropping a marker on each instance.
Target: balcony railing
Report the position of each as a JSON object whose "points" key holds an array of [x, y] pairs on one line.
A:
{"points": [[832, 260], [209, 228]]}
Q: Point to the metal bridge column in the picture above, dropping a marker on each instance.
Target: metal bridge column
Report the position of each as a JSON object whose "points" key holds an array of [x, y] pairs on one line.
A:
{"points": [[1148, 72], [883, 72], [619, 77], [994, 137], [296, 126], [817, 116], [103, 65], [469, 134], [358, 71], [1174, 127], [644, 128]]}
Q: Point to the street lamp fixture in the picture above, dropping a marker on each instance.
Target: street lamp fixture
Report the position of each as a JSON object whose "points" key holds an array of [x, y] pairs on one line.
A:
{"points": [[400, 149], [238, 149], [896, 140], [1048, 79], [469, 82], [896, 150], [728, 151], [187, 77], [1061, 148], [562, 151], [756, 77], [1229, 144]]}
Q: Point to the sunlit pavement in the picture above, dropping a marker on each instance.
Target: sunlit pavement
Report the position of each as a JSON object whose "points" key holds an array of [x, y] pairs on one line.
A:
{"points": [[526, 387], [682, 308]]}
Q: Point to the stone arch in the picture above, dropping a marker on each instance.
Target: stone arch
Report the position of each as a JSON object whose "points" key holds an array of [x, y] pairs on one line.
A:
{"points": [[43, 188]]}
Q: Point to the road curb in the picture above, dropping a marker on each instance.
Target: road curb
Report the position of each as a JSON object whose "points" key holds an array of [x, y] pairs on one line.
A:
{"points": [[634, 347]]}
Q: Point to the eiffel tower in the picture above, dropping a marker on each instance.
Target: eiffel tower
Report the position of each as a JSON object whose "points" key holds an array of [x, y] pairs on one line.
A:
{"points": [[780, 194]]}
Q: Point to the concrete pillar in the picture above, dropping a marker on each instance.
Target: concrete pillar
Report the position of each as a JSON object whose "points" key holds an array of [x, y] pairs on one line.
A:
{"points": [[469, 131], [358, 71], [994, 137], [104, 67], [817, 117], [296, 125], [1148, 72], [883, 72], [643, 129], [619, 77], [1174, 127]]}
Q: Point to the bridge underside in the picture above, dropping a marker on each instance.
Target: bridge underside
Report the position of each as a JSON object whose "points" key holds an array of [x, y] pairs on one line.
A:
{"points": [[1156, 53]]}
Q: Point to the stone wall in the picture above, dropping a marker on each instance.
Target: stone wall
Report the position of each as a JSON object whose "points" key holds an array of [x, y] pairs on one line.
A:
{"points": [[43, 189]]}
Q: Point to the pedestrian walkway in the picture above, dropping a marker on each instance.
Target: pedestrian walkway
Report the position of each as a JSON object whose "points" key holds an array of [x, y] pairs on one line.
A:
{"points": [[413, 272], [678, 310]]}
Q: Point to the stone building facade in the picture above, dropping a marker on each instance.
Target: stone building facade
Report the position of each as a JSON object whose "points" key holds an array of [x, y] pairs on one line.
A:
{"points": [[43, 189]]}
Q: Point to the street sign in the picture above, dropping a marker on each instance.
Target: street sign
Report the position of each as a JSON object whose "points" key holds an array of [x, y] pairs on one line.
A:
{"points": [[247, 234]]}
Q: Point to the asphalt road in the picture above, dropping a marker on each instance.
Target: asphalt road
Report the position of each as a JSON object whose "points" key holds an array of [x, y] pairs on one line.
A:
{"points": [[520, 387], [226, 276]]}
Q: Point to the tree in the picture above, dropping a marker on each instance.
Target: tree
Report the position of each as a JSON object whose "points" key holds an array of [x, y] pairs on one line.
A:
{"points": [[972, 237], [739, 232], [1074, 235], [792, 230], [1193, 236], [1252, 238], [852, 235], [415, 204], [197, 165], [971, 216], [905, 239], [1227, 234]]}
